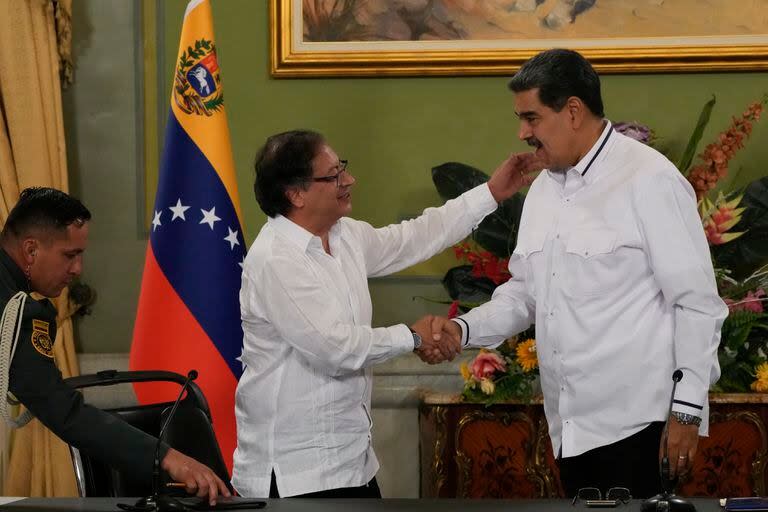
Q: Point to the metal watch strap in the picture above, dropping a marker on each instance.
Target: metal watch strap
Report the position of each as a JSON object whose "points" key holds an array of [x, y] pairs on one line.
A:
{"points": [[416, 339], [686, 419]]}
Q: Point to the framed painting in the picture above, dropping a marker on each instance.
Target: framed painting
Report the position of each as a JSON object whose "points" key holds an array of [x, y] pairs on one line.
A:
{"points": [[311, 38]]}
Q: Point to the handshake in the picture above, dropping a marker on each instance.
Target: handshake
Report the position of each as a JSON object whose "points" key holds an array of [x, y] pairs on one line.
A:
{"points": [[440, 339]]}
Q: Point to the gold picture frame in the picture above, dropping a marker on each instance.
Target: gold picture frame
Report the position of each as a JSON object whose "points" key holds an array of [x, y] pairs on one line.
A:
{"points": [[745, 49]]}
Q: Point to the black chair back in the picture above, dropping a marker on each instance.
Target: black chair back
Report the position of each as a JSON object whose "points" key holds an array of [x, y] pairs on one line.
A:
{"points": [[190, 432]]}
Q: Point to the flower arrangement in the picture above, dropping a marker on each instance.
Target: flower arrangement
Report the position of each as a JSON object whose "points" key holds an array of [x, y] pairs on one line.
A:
{"points": [[736, 226], [502, 374]]}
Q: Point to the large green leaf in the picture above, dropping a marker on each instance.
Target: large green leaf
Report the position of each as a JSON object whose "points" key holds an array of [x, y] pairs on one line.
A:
{"points": [[497, 233], [461, 285], [749, 251], [698, 131]]}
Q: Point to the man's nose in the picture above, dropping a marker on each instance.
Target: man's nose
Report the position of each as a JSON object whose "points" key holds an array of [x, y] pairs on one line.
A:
{"points": [[524, 132], [347, 180], [77, 266]]}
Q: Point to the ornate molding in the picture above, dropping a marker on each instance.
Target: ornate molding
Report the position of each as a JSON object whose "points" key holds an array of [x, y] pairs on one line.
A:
{"points": [[441, 437], [761, 457], [464, 462]]}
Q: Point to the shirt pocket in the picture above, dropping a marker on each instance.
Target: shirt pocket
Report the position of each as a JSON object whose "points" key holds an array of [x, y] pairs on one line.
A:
{"points": [[590, 263], [530, 244]]}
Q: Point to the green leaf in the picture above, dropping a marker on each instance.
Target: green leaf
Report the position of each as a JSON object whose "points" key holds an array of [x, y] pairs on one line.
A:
{"points": [[749, 251], [497, 233], [463, 286], [698, 131]]}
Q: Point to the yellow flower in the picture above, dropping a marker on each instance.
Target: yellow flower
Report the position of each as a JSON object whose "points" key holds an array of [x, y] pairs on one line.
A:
{"points": [[526, 355], [761, 384], [465, 373], [487, 386]]}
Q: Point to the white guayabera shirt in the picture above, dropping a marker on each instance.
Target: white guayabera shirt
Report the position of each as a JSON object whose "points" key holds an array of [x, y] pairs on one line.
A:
{"points": [[303, 403], [613, 266]]}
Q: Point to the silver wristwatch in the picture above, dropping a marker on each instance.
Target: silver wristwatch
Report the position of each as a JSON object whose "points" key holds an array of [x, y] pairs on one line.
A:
{"points": [[686, 419], [416, 340]]}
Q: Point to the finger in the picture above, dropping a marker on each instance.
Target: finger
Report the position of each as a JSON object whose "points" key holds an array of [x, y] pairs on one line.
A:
{"points": [[682, 464], [437, 328], [444, 350], [202, 486], [223, 489], [213, 489]]}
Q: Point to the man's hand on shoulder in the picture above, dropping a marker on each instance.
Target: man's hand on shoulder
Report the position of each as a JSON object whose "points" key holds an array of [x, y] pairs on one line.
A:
{"points": [[197, 478]]}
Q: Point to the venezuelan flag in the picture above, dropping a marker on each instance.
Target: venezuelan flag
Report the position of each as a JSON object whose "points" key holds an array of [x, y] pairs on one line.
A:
{"points": [[188, 313]]}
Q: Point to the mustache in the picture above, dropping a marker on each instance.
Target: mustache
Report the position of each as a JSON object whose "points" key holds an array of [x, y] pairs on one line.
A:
{"points": [[533, 142]]}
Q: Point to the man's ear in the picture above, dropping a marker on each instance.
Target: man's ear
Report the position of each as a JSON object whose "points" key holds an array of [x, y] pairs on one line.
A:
{"points": [[576, 110], [296, 196], [29, 249]]}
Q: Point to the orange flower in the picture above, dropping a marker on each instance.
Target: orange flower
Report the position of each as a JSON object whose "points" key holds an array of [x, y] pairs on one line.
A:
{"points": [[719, 217], [761, 383], [715, 157], [526, 355], [465, 373]]}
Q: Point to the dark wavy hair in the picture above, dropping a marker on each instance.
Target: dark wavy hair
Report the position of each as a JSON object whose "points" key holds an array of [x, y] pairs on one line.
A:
{"points": [[284, 161], [559, 74], [44, 209]]}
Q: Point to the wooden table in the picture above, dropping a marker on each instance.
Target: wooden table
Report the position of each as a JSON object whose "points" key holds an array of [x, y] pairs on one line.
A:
{"points": [[504, 451]]}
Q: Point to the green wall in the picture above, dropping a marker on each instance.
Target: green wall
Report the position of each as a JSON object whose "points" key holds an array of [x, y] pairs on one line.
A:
{"points": [[393, 130]]}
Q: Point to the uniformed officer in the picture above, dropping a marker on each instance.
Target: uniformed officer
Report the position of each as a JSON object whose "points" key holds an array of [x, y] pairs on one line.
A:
{"points": [[42, 249]]}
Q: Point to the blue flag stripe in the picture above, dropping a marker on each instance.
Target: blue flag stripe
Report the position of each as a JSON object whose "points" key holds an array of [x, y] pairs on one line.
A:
{"points": [[200, 264]]}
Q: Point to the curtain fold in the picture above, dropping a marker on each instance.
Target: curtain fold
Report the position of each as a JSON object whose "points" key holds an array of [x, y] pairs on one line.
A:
{"points": [[33, 57]]}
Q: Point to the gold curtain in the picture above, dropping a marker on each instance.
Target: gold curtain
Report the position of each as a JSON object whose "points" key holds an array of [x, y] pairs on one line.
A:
{"points": [[34, 58]]}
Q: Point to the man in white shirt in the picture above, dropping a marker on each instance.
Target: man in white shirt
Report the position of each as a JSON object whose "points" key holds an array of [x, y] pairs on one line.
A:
{"points": [[613, 267], [304, 400]]}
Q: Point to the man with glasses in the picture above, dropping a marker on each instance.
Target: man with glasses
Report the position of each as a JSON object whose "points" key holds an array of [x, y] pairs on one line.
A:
{"points": [[304, 400], [613, 267]]}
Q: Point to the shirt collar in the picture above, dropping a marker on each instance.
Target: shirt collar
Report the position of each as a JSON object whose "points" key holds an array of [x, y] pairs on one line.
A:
{"points": [[292, 231], [19, 279], [588, 166], [300, 236], [587, 162]]}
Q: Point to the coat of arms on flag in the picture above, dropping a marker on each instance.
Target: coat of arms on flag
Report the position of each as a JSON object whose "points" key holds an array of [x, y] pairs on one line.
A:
{"points": [[196, 83]]}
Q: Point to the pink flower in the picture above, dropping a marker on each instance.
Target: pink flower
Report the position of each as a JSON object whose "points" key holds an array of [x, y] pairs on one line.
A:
{"points": [[486, 364], [752, 301]]}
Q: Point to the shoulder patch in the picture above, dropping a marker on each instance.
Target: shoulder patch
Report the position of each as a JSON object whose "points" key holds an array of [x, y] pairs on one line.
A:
{"points": [[41, 338]]}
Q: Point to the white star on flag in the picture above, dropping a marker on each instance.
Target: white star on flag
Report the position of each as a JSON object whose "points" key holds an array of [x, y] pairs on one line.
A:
{"points": [[178, 210], [156, 221], [209, 217], [232, 238]]}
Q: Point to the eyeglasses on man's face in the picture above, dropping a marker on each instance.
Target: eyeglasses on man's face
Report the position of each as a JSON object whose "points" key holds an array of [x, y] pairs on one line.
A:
{"points": [[613, 497], [342, 169]]}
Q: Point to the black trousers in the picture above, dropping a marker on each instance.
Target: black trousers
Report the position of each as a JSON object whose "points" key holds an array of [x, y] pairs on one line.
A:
{"points": [[632, 463], [370, 490]]}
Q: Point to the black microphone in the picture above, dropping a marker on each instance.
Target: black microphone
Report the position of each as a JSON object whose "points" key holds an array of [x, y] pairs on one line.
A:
{"points": [[192, 375], [667, 500], [668, 484], [154, 501]]}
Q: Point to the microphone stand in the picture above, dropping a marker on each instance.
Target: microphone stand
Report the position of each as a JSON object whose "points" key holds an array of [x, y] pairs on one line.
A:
{"points": [[156, 502], [667, 500]]}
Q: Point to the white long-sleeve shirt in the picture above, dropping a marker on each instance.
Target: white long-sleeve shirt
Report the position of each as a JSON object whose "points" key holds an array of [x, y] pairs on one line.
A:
{"points": [[613, 266], [303, 403]]}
